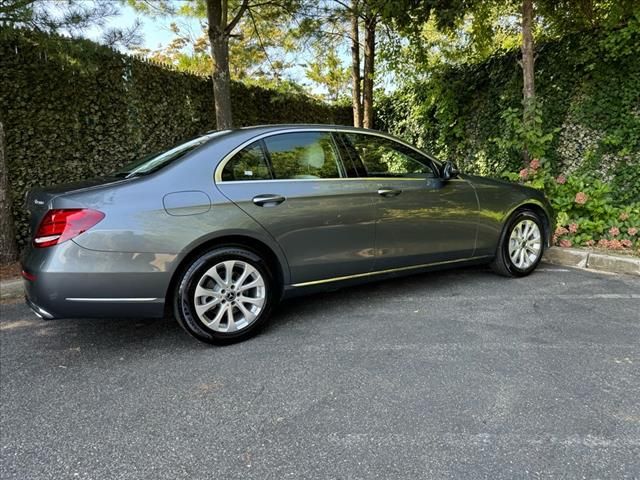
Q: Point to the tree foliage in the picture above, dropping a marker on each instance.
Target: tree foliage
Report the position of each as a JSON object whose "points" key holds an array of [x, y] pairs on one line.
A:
{"points": [[586, 114], [72, 17]]}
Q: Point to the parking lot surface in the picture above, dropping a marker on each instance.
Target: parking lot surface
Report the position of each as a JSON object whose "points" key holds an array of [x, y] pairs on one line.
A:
{"points": [[459, 374]]}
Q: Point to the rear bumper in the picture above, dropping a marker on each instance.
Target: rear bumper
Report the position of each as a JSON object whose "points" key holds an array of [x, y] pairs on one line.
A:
{"points": [[39, 311], [73, 282]]}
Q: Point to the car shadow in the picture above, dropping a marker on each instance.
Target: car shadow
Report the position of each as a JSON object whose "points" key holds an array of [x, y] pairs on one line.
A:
{"points": [[443, 282], [126, 334]]}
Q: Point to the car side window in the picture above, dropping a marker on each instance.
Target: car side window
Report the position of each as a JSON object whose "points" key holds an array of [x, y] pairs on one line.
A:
{"points": [[303, 155], [250, 163], [382, 157]]}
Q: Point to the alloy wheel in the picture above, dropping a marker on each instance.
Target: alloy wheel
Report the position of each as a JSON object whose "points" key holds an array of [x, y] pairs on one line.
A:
{"points": [[230, 296], [525, 244]]}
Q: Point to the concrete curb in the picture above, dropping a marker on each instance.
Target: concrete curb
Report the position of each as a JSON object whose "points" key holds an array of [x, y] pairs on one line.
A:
{"points": [[11, 289], [573, 257]]}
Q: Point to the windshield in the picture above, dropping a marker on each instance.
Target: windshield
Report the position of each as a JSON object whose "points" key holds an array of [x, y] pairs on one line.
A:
{"points": [[156, 161]]}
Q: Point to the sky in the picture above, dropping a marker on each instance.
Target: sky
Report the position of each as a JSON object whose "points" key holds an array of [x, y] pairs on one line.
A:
{"points": [[156, 33]]}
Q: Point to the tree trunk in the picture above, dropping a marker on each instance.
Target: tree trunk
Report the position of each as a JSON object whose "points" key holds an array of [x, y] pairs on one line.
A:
{"points": [[369, 56], [356, 94], [220, 76], [8, 249], [528, 89], [221, 82]]}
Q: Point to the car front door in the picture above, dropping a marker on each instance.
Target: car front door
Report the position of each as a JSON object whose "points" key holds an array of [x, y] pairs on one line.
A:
{"points": [[295, 185], [421, 219]]}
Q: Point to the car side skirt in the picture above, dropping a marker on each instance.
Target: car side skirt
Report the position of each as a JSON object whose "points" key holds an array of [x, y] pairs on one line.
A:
{"points": [[361, 278]]}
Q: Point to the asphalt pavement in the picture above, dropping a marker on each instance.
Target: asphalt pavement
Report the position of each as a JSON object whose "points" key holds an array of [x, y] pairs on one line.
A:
{"points": [[459, 374]]}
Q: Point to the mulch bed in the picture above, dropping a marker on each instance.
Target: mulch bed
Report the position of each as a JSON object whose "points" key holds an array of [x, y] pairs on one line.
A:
{"points": [[10, 271]]}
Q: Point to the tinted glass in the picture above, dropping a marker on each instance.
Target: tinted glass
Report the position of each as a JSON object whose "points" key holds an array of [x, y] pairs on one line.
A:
{"points": [[153, 163], [250, 163], [304, 155], [385, 158]]}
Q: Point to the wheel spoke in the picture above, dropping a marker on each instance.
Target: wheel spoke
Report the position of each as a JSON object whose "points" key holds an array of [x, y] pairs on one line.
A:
{"points": [[248, 270], [231, 323], [205, 292], [252, 301], [249, 316], [213, 273], [215, 323], [250, 285], [228, 269], [205, 307]]}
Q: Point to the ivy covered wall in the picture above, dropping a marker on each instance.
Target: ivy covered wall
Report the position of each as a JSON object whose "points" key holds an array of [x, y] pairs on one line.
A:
{"points": [[589, 110], [73, 109]]}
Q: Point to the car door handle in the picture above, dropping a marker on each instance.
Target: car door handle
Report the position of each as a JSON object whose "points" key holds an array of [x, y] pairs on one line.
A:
{"points": [[389, 192], [268, 200]]}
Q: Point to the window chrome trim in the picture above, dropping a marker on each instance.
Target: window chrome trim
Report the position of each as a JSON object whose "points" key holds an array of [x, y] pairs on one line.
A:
{"points": [[217, 177], [389, 270], [376, 179]]}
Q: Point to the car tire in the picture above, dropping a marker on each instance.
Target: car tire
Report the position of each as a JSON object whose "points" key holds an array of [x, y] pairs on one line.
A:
{"points": [[521, 245], [224, 296]]}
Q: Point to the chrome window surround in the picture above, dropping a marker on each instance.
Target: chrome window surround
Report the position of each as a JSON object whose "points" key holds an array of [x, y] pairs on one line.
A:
{"points": [[218, 171]]}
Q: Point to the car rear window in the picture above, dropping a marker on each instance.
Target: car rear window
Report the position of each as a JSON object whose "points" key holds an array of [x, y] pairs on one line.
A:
{"points": [[250, 163], [156, 161]]}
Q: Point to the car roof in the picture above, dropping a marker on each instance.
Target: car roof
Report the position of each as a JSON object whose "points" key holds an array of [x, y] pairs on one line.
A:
{"points": [[292, 126], [243, 134]]}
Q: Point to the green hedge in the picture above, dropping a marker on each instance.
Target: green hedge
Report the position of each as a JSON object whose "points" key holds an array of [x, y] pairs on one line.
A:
{"points": [[589, 86], [73, 109]]}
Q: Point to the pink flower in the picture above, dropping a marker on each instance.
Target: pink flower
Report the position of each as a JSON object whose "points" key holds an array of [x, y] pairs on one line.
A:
{"points": [[581, 198], [524, 173], [535, 164], [590, 243], [626, 243], [614, 231], [603, 243], [632, 231], [565, 243], [624, 216], [573, 228], [615, 245], [561, 231], [561, 179]]}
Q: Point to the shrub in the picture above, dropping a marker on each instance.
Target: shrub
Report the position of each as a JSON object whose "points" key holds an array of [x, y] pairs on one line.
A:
{"points": [[586, 213]]}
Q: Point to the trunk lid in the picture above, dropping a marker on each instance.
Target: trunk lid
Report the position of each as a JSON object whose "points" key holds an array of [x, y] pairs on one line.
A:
{"points": [[39, 200]]}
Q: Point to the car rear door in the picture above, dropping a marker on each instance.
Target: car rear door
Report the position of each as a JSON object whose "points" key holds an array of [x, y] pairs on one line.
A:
{"points": [[421, 219], [295, 185]]}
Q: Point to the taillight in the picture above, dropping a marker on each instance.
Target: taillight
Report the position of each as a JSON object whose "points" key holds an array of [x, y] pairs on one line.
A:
{"points": [[60, 225]]}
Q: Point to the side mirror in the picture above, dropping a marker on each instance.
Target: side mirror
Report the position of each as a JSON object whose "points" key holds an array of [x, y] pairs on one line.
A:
{"points": [[449, 171]]}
